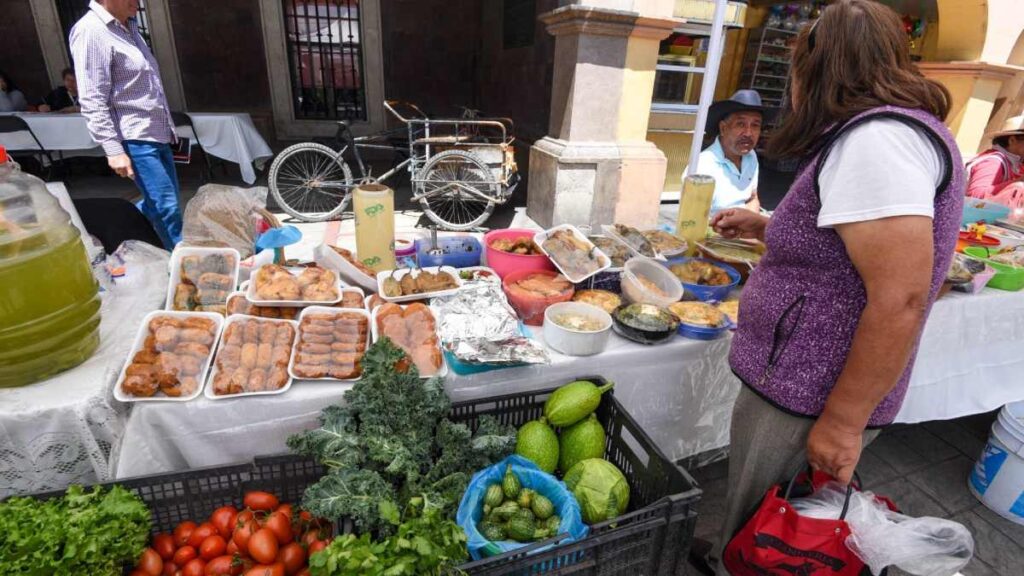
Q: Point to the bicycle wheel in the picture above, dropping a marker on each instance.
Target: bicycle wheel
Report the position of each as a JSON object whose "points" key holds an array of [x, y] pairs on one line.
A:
{"points": [[311, 182], [456, 190]]}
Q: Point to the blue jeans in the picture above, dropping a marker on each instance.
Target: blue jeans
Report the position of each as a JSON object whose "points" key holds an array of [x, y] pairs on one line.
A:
{"points": [[156, 177]]}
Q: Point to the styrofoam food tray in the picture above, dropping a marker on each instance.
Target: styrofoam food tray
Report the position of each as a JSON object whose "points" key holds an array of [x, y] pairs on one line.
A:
{"points": [[328, 310], [208, 389], [403, 272], [609, 231], [541, 237], [250, 293], [182, 251], [492, 278], [443, 371], [328, 258], [140, 340]]}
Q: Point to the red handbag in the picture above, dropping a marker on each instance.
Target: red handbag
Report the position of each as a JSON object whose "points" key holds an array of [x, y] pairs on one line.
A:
{"points": [[778, 541]]}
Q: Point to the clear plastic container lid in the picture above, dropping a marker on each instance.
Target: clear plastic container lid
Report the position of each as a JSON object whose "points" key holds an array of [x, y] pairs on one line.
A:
{"points": [[31, 219]]}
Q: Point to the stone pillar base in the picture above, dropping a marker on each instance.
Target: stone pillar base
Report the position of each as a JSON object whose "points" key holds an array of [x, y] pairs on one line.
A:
{"points": [[596, 183]]}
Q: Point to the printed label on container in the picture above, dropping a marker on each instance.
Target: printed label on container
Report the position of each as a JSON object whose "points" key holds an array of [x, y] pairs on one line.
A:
{"points": [[374, 209], [987, 467], [1018, 507]]}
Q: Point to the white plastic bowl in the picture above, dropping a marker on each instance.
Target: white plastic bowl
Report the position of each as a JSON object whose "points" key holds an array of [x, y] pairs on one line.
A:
{"points": [[650, 269], [576, 342]]}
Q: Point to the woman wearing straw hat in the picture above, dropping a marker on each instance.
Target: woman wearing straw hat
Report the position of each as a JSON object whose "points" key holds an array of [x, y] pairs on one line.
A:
{"points": [[997, 174]]}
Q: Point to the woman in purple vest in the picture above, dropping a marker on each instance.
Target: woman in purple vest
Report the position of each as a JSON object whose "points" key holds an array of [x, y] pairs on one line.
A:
{"points": [[831, 318]]}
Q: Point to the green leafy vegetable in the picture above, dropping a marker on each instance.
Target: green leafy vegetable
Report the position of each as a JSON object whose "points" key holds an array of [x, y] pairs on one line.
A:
{"points": [[425, 543], [391, 440], [84, 532]]}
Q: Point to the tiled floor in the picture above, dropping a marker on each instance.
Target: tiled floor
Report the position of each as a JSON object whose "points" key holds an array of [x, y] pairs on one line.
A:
{"points": [[924, 468]]}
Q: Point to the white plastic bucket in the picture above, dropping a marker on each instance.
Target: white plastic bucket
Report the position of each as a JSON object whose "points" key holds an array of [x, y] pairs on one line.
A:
{"points": [[998, 477]]}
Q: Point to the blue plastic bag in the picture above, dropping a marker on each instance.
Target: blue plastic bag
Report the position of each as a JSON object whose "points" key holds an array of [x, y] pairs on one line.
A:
{"points": [[532, 477]]}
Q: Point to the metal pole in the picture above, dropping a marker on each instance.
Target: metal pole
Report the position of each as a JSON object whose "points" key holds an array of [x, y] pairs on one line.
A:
{"points": [[707, 87]]}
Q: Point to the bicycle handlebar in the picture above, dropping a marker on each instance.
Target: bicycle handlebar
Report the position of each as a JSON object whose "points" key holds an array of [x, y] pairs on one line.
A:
{"points": [[389, 105]]}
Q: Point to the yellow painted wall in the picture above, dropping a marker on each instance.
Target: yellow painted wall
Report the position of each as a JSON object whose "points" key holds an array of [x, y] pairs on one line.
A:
{"points": [[637, 86]]}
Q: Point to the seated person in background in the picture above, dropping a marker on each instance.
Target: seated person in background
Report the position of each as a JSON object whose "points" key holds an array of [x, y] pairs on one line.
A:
{"points": [[731, 159], [997, 174], [11, 99], [63, 98]]}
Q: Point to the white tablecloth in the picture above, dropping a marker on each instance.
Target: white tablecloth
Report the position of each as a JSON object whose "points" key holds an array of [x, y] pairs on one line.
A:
{"points": [[62, 430], [228, 136]]}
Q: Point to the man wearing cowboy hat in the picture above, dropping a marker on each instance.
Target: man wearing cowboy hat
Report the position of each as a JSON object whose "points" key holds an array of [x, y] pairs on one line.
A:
{"points": [[731, 159], [997, 174]]}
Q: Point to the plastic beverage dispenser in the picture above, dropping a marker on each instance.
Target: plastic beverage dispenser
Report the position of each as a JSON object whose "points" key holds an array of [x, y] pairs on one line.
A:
{"points": [[49, 304], [694, 208], [374, 207]]}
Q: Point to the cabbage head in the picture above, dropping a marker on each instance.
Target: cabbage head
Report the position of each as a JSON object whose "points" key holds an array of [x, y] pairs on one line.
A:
{"points": [[600, 488]]}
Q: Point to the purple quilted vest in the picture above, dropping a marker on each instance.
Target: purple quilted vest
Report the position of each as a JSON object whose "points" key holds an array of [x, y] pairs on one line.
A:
{"points": [[803, 302]]}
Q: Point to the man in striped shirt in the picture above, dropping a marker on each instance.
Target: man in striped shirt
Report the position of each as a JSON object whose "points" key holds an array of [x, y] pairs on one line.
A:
{"points": [[123, 101]]}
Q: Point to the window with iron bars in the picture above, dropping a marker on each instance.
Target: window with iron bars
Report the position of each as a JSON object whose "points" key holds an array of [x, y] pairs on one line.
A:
{"points": [[71, 11], [325, 59]]}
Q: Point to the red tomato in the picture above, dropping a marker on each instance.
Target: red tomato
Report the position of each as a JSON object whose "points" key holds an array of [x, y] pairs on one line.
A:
{"points": [[231, 548], [170, 568], [287, 510], [263, 501], [293, 557], [138, 573], [184, 555], [317, 546], [202, 532], [151, 563], [276, 569], [223, 519], [183, 531], [164, 545], [212, 547], [223, 566], [304, 572], [195, 567], [244, 532], [263, 546], [281, 526]]}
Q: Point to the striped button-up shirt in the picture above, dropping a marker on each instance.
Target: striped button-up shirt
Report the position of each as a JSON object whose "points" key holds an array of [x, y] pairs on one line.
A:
{"points": [[119, 87]]}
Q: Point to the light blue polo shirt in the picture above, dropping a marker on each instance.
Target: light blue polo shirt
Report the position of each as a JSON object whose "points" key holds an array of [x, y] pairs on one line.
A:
{"points": [[732, 187]]}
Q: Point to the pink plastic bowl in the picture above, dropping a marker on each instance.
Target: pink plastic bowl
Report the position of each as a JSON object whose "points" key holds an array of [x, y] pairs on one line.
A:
{"points": [[504, 263]]}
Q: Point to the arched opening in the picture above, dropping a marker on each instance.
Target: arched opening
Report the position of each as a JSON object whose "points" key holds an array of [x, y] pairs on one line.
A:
{"points": [[962, 29]]}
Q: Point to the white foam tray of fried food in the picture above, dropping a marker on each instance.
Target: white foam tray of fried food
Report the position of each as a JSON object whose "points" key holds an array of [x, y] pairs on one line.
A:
{"points": [[140, 342], [181, 252], [403, 272], [442, 371], [335, 312], [208, 389], [250, 293], [604, 262]]}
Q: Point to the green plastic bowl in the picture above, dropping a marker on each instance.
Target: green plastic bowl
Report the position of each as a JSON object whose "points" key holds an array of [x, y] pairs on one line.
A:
{"points": [[1007, 277]]}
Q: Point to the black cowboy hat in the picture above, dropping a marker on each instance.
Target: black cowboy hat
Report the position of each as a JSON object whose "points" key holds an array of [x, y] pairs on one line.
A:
{"points": [[741, 101]]}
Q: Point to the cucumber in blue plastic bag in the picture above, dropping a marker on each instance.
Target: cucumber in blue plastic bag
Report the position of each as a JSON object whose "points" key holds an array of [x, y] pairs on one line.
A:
{"points": [[531, 477]]}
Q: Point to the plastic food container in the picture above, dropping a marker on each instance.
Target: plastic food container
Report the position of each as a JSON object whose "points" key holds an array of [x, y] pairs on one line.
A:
{"points": [[325, 256], [49, 305], [202, 253], [630, 325], [651, 270], [1009, 278], [709, 293], [505, 263], [531, 308], [250, 293], [603, 261], [399, 274], [302, 347], [977, 210], [576, 342], [703, 332], [209, 389], [457, 252], [479, 274], [198, 369], [375, 330]]}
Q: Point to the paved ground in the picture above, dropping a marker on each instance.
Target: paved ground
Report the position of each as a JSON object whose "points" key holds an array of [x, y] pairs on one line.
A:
{"points": [[924, 468]]}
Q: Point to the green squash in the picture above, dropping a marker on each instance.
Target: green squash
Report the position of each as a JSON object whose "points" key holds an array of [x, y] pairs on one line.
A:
{"points": [[521, 526], [581, 441], [542, 507], [494, 496], [537, 442], [573, 402], [510, 484]]}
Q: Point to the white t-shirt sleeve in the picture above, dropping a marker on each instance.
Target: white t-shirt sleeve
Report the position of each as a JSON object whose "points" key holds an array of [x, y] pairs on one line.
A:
{"points": [[880, 169]]}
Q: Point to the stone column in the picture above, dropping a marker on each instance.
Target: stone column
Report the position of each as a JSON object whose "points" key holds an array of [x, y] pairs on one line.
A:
{"points": [[595, 166]]}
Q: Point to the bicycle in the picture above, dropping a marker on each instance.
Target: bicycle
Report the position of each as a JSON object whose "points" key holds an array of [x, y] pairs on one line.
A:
{"points": [[460, 169]]}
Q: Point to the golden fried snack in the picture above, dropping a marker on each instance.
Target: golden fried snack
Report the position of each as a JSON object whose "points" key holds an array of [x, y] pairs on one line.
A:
{"points": [[317, 328], [285, 334], [317, 338], [191, 269], [139, 386], [229, 354], [277, 378], [161, 321], [268, 332], [220, 263], [215, 308], [350, 299], [184, 297], [165, 338], [311, 370], [215, 281], [149, 343], [239, 380], [257, 380], [222, 383], [315, 348], [250, 331], [345, 372], [307, 358], [199, 324], [348, 346], [264, 355], [249, 350], [206, 297], [145, 357], [190, 365], [234, 335], [144, 370], [193, 349], [280, 355], [196, 335]]}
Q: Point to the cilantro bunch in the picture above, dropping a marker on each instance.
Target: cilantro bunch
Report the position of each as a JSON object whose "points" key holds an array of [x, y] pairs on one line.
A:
{"points": [[84, 532], [390, 441]]}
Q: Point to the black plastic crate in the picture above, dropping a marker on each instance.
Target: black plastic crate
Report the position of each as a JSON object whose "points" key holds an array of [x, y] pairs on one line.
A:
{"points": [[651, 539]]}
